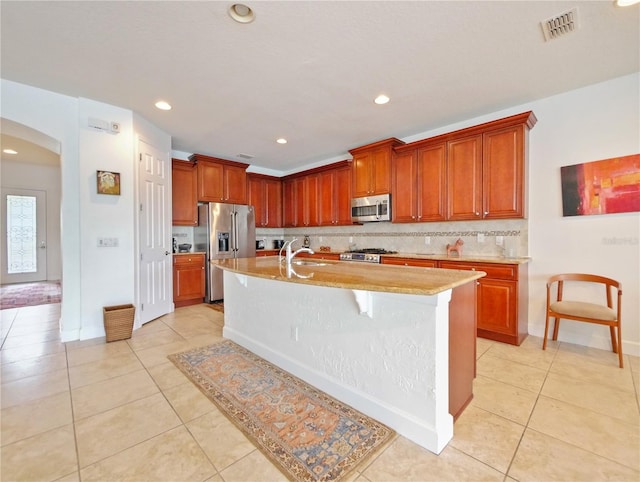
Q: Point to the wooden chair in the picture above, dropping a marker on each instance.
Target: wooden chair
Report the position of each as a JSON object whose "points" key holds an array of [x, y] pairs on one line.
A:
{"points": [[585, 311]]}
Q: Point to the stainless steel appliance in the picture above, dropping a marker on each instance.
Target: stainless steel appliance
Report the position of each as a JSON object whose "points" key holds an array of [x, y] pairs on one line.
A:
{"points": [[224, 231], [368, 255], [371, 208]]}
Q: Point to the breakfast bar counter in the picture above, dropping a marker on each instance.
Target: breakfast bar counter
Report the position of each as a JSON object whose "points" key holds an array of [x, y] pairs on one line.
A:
{"points": [[396, 343]]}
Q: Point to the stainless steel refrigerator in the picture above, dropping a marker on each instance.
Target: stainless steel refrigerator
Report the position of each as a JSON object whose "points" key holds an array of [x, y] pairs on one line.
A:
{"points": [[224, 231]]}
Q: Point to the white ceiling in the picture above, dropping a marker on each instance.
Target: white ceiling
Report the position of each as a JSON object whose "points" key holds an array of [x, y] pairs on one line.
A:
{"points": [[309, 70]]}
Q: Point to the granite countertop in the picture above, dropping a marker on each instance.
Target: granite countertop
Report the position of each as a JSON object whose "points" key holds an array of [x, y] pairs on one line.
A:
{"points": [[355, 276], [188, 253]]}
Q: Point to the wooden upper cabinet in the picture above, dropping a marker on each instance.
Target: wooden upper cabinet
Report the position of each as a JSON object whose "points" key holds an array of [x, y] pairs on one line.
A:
{"points": [[464, 178], [300, 201], [503, 168], [372, 168], [419, 184], [265, 195], [220, 180], [184, 198], [334, 197]]}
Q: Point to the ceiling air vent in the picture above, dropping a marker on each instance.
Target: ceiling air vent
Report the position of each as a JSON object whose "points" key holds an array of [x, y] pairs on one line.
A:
{"points": [[560, 25], [245, 156]]}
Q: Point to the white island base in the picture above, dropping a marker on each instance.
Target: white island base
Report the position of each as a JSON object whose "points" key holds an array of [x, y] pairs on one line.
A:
{"points": [[385, 354]]}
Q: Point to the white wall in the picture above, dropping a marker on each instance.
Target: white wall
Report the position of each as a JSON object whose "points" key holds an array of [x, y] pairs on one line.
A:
{"points": [[44, 178], [56, 116], [107, 273], [92, 277]]}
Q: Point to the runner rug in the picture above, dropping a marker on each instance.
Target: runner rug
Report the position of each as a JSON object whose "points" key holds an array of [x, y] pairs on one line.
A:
{"points": [[29, 294], [309, 435]]}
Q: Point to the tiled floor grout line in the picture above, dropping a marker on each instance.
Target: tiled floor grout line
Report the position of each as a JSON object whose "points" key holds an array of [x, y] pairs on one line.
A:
{"points": [[73, 416]]}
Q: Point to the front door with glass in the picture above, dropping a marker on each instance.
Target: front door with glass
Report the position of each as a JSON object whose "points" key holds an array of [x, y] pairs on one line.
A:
{"points": [[24, 241]]}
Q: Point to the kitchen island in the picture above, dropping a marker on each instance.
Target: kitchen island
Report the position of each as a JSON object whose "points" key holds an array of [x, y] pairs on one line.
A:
{"points": [[396, 343]]}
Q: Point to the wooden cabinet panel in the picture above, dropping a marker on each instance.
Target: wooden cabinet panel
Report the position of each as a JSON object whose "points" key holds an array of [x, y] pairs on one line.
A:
{"points": [[334, 197], [419, 184], [404, 201], [265, 195], [289, 201], [497, 306], [371, 168], [424, 263], [300, 201], [464, 179], [184, 198], [188, 279], [503, 169], [502, 300], [220, 180], [210, 184], [431, 178]]}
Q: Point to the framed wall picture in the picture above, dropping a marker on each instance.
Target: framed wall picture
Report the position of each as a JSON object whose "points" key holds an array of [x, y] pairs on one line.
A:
{"points": [[108, 182], [601, 187]]}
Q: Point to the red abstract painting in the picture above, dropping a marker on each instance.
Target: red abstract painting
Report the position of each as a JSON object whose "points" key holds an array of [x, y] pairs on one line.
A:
{"points": [[601, 187]]}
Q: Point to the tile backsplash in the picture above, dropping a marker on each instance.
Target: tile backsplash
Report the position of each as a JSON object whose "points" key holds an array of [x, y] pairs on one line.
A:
{"points": [[479, 237]]}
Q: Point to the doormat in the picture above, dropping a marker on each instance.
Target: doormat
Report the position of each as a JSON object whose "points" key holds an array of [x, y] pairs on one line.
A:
{"points": [[29, 294], [309, 435]]}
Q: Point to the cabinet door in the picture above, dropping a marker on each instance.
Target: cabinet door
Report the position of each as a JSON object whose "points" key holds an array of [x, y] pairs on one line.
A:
{"points": [[405, 182], [235, 184], [188, 277], [381, 171], [464, 179], [210, 185], [497, 306], [342, 190], [431, 180], [290, 202], [362, 174], [503, 173], [310, 201], [256, 199], [326, 197], [273, 203], [184, 195]]}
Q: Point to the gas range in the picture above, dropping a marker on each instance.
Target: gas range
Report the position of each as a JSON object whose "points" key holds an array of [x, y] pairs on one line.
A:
{"points": [[368, 255]]}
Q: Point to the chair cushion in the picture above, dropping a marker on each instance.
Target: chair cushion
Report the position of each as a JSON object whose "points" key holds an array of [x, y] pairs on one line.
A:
{"points": [[586, 310]]}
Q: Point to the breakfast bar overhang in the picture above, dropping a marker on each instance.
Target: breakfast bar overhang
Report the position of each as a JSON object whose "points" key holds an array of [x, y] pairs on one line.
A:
{"points": [[396, 343]]}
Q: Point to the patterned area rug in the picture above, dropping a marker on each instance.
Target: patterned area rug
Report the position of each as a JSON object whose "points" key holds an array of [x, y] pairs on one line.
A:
{"points": [[308, 434], [29, 294]]}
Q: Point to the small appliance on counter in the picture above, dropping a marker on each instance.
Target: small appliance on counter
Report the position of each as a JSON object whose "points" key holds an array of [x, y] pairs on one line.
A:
{"points": [[175, 245], [184, 248], [278, 243], [259, 243]]}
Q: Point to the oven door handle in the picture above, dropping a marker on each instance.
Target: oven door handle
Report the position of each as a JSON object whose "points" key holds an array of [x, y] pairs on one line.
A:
{"points": [[378, 209]]}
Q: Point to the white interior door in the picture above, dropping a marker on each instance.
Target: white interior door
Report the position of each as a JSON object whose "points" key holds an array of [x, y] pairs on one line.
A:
{"points": [[155, 280], [24, 235]]}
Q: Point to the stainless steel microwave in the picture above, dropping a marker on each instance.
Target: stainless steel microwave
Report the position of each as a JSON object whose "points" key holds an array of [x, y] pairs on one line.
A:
{"points": [[371, 208]]}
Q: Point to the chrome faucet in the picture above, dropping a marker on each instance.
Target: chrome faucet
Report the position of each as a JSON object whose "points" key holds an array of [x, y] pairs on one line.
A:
{"points": [[289, 254]]}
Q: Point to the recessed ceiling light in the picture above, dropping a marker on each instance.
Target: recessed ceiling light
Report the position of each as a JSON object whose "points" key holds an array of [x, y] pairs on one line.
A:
{"points": [[241, 13], [282, 140], [162, 105], [9, 151], [626, 3], [381, 99]]}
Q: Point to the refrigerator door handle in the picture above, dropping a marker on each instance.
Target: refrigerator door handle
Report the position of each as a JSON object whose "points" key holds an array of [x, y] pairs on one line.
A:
{"points": [[236, 233]]}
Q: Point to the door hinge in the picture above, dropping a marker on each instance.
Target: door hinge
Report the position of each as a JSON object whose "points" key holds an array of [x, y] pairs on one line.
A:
{"points": [[141, 257], [141, 306], [140, 156], [140, 207]]}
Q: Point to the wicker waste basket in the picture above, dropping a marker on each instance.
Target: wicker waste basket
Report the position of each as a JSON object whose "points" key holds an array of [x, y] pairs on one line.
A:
{"points": [[118, 321]]}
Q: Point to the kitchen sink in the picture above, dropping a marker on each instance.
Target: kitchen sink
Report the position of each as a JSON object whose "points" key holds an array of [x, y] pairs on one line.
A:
{"points": [[304, 262]]}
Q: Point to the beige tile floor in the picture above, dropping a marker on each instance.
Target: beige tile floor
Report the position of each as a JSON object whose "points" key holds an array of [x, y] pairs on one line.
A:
{"points": [[93, 411]]}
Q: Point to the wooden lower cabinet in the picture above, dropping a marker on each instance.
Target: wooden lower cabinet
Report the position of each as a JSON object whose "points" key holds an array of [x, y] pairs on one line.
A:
{"points": [[188, 279], [502, 296], [502, 300]]}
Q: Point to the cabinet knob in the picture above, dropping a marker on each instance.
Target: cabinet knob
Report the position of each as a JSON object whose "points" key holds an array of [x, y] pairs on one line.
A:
{"points": [[486, 213], [477, 213]]}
